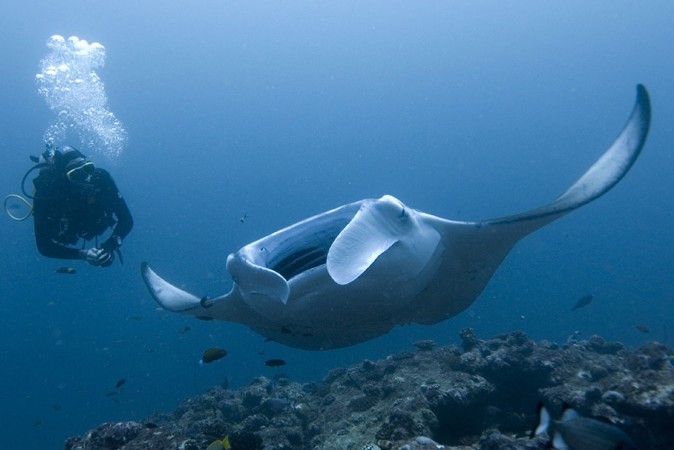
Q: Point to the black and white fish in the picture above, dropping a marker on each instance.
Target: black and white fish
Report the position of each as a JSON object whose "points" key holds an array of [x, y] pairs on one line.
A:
{"points": [[575, 432]]}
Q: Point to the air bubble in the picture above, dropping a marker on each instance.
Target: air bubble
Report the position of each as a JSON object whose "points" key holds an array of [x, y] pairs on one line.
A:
{"points": [[73, 90]]}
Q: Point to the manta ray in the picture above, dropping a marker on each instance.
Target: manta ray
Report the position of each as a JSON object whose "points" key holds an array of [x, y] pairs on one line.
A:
{"points": [[353, 273]]}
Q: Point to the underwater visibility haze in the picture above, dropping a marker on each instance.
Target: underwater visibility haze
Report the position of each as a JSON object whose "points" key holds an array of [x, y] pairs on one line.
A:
{"points": [[223, 122]]}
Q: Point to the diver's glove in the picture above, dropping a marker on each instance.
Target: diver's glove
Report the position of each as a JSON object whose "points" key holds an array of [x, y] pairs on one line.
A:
{"points": [[98, 257]]}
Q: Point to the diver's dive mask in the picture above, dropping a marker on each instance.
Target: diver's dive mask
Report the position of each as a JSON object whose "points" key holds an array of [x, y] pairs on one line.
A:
{"points": [[80, 170]]}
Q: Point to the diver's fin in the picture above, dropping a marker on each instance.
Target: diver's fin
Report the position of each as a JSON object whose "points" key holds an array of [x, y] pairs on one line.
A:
{"points": [[605, 173]]}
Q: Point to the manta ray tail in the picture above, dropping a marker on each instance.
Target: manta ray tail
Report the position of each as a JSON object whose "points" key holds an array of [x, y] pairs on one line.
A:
{"points": [[605, 173]]}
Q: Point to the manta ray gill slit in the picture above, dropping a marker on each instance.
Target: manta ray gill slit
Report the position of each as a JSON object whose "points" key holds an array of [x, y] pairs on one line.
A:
{"points": [[304, 252], [302, 260]]}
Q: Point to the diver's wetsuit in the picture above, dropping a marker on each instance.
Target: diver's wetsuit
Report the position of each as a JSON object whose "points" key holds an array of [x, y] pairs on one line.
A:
{"points": [[66, 212]]}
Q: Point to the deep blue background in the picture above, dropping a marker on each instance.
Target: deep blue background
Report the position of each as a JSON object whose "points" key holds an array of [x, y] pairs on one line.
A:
{"points": [[281, 110]]}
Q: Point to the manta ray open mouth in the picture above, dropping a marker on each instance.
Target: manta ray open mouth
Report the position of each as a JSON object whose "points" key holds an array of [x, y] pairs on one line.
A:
{"points": [[301, 247], [301, 259]]}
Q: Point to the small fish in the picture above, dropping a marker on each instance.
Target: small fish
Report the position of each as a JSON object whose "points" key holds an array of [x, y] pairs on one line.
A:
{"points": [[582, 302], [243, 218], [575, 432], [111, 394], [121, 382], [68, 270], [212, 354], [136, 318], [56, 407], [285, 329], [151, 425], [274, 363], [204, 318], [643, 328], [185, 329]]}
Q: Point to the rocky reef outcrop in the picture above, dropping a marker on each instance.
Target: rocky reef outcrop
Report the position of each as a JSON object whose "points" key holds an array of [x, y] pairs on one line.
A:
{"points": [[480, 396]]}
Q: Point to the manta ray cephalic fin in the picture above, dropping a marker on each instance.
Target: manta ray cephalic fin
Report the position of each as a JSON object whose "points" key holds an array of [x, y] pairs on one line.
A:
{"points": [[375, 228]]}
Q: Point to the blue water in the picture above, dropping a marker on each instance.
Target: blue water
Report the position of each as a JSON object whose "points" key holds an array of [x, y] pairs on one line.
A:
{"points": [[280, 110]]}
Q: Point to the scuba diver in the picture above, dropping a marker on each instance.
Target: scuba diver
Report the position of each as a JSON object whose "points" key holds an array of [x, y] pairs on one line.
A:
{"points": [[77, 202]]}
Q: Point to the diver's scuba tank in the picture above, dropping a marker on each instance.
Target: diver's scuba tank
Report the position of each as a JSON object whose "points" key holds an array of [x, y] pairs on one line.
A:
{"points": [[48, 159]]}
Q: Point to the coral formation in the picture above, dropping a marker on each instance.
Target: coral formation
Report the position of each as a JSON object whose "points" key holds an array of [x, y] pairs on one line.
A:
{"points": [[482, 396]]}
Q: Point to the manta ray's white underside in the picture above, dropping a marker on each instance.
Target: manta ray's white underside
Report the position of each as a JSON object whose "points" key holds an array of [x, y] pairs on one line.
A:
{"points": [[355, 272]]}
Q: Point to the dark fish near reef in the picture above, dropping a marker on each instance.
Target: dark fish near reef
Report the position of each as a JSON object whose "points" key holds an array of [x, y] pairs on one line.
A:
{"points": [[643, 328], [68, 270], [274, 363], [575, 432], [212, 354], [582, 302], [121, 382]]}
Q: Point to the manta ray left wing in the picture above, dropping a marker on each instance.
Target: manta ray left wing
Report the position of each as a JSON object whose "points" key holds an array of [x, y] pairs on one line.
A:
{"points": [[476, 249], [605, 173]]}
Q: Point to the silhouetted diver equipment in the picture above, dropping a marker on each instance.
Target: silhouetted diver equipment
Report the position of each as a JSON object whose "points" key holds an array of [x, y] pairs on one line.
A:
{"points": [[18, 218], [49, 157], [28, 172]]}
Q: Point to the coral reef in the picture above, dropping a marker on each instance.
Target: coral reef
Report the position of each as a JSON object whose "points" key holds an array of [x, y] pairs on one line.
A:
{"points": [[482, 396]]}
